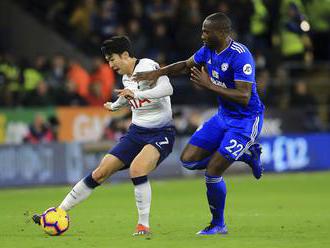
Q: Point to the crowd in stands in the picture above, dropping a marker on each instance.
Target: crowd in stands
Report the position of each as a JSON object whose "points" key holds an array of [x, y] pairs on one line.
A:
{"points": [[167, 30], [278, 32], [57, 81]]}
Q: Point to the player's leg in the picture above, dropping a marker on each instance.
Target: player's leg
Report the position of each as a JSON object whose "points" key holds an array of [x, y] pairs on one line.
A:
{"points": [[197, 154], [252, 157], [108, 166], [145, 162], [120, 157], [216, 193], [194, 157], [83, 189], [231, 147], [252, 151]]}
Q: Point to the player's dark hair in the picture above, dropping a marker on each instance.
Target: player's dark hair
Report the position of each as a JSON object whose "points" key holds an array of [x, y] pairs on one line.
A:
{"points": [[221, 21], [118, 45]]}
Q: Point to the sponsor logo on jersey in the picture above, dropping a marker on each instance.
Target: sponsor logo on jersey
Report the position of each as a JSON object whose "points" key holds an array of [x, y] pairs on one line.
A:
{"points": [[219, 83], [247, 69]]}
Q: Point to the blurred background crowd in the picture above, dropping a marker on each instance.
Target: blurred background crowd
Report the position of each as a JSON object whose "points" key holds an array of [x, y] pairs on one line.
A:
{"points": [[288, 38]]}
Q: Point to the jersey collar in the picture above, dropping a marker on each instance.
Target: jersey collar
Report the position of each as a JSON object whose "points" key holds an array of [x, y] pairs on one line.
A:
{"points": [[231, 42]]}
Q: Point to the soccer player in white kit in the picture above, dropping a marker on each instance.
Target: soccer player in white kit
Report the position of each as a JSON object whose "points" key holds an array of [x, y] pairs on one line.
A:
{"points": [[149, 139]]}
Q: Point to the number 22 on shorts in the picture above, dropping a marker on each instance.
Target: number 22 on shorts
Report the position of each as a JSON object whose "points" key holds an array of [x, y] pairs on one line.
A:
{"points": [[234, 147]]}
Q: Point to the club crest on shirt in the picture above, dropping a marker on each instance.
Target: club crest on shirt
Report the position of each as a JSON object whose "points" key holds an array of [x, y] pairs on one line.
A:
{"points": [[224, 66]]}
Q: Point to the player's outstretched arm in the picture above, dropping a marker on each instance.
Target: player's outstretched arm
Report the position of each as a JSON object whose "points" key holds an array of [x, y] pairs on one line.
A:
{"points": [[174, 69], [241, 94], [162, 88]]}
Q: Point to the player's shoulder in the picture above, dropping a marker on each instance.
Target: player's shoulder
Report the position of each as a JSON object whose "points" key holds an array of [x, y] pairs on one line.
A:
{"points": [[238, 48], [146, 64]]}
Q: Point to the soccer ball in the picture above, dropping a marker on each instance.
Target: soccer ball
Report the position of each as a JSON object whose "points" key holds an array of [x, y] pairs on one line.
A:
{"points": [[54, 221]]}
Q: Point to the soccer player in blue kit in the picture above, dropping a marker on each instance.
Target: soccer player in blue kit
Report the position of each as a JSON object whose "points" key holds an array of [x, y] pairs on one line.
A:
{"points": [[226, 68]]}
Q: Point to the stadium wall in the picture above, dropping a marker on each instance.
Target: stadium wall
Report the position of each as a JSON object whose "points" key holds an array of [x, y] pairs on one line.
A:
{"points": [[66, 163]]}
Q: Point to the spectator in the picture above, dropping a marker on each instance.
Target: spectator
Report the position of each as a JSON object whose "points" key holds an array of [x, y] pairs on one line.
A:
{"points": [[189, 18], [68, 96], [116, 128], [305, 102], [31, 77], [40, 96], [161, 43], [137, 36], [294, 40], [106, 20], [104, 76], [81, 18], [319, 16], [57, 74], [94, 97], [39, 131], [10, 71], [79, 76]]}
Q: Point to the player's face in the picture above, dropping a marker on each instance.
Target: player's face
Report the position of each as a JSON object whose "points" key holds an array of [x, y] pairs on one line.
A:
{"points": [[209, 36], [117, 63]]}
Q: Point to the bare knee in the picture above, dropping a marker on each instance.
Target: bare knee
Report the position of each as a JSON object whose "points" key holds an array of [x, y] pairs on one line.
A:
{"points": [[193, 153], [135, 171], [108, 166], [188, 157], [100, 175]]}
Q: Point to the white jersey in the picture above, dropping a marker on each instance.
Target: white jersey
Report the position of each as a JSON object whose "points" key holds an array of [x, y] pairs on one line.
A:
{"points": [[151, 106]]}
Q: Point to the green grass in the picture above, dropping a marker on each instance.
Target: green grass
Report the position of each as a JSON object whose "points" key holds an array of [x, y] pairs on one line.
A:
{"points": [[290, 210]]}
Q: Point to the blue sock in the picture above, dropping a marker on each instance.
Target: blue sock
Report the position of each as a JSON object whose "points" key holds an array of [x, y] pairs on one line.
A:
{"points": [[196, 165], [216, 195]]}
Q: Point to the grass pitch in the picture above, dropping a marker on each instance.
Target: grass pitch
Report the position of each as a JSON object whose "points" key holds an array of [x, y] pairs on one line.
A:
{"points": [[290, 210]]}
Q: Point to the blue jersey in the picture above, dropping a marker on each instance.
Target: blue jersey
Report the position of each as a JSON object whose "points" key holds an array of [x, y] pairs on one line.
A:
{"points": [[234, 63]]}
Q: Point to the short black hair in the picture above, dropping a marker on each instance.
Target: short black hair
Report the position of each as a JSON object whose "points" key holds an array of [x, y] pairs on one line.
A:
{"points": [[221, 21], [117, 44]]}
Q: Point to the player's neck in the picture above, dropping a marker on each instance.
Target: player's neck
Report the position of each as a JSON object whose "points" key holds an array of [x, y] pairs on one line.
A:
{"points": [[131, 66], [224, 45]]}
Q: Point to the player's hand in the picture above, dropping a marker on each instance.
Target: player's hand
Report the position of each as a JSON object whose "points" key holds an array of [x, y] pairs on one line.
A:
{"points": [[200, 77], [128, 94], [150, 76], [108, 106]]}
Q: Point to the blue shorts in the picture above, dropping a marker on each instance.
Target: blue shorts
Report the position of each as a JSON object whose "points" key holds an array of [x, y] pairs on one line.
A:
{"points": [[229, 136], [131, 144]]}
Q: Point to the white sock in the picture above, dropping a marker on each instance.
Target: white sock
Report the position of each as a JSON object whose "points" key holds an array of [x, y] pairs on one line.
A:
{"points": [[143, 202], [78, 193]]}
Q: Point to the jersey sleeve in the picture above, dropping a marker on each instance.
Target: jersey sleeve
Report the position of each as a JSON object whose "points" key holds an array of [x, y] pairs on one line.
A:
{"points": [[146, 65], [161, 89], [244, 68], [200, 56], [121, 102]]}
